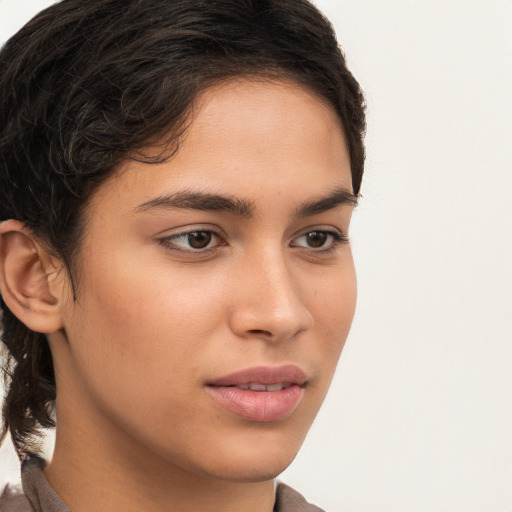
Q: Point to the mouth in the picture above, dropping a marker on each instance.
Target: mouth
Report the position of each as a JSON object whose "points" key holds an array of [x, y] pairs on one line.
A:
{"points": [[266, 376], [262, 394], [265, 387]]}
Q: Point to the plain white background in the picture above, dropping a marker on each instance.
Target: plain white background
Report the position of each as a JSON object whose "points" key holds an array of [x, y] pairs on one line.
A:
{"points": [[419, 417]]}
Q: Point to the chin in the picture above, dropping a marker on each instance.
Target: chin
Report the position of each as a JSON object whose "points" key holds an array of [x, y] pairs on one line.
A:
{"points": [[252, 471], [254, 462]]}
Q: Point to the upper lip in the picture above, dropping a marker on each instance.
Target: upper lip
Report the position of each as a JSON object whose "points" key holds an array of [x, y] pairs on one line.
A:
{"points": [[263, 375]]}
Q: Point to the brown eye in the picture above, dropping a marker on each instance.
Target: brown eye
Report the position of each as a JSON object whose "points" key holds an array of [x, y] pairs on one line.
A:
{"points": [[199, 239], [319, 240], [316, 239], [192, 241]]}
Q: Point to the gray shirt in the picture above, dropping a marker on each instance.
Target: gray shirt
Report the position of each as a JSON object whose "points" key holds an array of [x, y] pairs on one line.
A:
{"points": [[38, 496]]}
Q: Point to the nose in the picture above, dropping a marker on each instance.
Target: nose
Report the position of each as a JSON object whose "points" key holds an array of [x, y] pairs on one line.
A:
{"points": [[269, 302]]}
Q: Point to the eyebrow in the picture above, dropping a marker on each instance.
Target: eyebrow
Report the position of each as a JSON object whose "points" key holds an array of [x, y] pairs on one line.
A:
{"points": [[200, 201], [240, 207], [339, 197]]}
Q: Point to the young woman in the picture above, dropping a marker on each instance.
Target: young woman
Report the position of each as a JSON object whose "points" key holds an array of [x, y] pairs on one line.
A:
{"points": [[176, 185]]}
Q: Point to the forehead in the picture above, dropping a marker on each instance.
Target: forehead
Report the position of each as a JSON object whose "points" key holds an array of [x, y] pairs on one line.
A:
{"points": [[248, 103], [248, 137]]}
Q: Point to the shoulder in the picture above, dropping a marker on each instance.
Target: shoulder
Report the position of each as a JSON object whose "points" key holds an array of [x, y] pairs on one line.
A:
{"points": [[289, 500], [13, 500], [37, 495]]}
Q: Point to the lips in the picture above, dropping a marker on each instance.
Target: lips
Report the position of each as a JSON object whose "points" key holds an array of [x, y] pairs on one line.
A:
{"points": [[262, 394], [263, 387]]}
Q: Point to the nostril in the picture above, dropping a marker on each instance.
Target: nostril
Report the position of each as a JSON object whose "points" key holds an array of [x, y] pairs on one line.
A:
{"points": [[260, 331]]}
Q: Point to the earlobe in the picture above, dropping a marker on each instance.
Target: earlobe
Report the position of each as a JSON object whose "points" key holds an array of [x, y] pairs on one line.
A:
{"points": [[25, 269]]}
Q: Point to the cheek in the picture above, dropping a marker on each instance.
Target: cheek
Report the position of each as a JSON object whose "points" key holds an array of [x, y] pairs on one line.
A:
{"points": [[334, 311], [333, 305], [148, 320]]}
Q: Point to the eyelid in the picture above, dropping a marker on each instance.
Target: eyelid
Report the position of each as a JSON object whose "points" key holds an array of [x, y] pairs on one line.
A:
{"points": [[338, 238], [167, 241]]}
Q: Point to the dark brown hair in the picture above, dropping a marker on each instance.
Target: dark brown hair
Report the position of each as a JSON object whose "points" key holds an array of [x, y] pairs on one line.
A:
{"points": [[86, 85]]}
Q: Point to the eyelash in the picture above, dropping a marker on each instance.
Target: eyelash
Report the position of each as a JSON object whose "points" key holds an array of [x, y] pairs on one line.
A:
{"points": [[168, 242], [337, 239]]}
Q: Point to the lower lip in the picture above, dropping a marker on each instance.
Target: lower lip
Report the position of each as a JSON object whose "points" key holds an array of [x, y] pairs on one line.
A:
{"points": [[263, 406]]}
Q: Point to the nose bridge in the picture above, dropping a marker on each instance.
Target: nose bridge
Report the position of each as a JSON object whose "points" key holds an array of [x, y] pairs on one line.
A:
{"points": [[269, 302]]}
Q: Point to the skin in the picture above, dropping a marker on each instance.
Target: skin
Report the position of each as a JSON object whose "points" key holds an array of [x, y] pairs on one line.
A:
{"points": [[157, 320]]}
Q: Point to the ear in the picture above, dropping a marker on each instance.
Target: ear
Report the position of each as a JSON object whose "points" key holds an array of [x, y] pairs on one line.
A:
{"points": [[27, 276]]}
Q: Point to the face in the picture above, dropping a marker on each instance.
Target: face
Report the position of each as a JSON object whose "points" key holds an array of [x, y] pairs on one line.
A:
{"points": [[216, 289]]}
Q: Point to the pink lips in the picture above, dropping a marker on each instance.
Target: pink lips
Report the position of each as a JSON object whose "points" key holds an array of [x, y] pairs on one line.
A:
{"points": [[262, 394]]}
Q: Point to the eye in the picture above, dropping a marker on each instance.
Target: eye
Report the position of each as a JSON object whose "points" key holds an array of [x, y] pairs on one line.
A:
{"points": [[319, 240], [192, 241]]}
